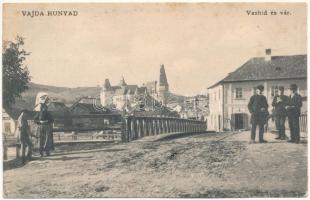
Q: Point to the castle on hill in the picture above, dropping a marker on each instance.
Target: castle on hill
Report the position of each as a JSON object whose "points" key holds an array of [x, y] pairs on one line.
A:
{"points": [[123, 95]]}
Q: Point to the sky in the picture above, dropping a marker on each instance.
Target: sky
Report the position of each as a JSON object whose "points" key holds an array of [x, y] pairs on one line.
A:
{"points": [[199, 44]]}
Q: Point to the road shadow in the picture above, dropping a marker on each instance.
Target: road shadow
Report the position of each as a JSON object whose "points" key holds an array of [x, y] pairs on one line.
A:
{"points": [[12, 164], [181, 135], [63, 158], [245, 194], [84, 152]]}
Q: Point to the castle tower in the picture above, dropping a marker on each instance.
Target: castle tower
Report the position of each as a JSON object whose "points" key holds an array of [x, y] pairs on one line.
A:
{"points": [[105, 94], [122, 82], [163, 88]]}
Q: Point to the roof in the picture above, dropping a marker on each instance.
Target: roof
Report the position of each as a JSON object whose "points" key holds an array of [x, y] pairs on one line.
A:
{"points": [[89, 107], [14, 113], [58, 109], [151, 86], [141, 90], [128, 89], [279, 67], [122, 82], [107, 84], [162, 76]]}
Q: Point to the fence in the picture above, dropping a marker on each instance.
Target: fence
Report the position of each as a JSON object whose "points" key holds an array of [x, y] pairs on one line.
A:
{"points": [[106, 135], [303, 123], [135, 127], [128, 129]]}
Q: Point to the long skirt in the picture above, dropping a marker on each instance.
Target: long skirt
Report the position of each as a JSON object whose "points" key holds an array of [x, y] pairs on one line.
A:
{"points": [[45, 133]]}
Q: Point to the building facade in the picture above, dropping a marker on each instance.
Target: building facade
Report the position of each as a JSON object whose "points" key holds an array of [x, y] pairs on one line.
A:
{"points": [[229, 98], [9, 122], [123, 95]]}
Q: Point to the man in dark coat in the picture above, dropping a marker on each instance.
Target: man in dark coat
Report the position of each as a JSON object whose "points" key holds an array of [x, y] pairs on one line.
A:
{"points": [[258, 108], [279, 102], [293, 113]]}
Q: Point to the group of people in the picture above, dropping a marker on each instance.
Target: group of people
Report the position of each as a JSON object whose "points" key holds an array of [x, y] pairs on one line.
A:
{"points": [[44, 135], [283, 107]]}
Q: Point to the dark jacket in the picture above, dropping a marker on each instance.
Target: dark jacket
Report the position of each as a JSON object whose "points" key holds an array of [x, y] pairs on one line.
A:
{"points": [[43, 115], [279, 107], [257, 102], [294, 104]]}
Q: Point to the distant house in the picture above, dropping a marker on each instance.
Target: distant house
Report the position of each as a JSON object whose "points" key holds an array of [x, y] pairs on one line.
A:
{"points": [[195, 107], [9, 121], [88, 115], [228, 99], [60, 113]]}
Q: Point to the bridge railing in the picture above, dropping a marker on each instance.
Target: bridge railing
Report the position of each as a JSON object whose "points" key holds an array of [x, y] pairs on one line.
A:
{"points": [[303, 122], [135, 127]]}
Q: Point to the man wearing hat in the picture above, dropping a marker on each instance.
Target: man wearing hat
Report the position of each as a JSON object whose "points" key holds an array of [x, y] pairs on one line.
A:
{"points": [[258, 108], [279, 102], [293, 112]]}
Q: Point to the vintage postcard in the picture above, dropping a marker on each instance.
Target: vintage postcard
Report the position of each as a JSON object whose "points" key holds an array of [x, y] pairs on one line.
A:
{"points": [[171, 100]]}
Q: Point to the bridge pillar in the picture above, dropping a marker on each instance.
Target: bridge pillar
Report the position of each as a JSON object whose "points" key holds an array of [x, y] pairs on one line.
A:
{"points": [[147, 127], [165, 126], [135, 128], [138, 128], [186, 126], [152, 126], [168, 125], [125, 130], [142, 128], [157, 126], [162, 127]]}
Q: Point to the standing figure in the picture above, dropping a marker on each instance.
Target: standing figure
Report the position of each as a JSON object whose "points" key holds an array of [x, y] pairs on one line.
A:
{"points": [[293, 113], [279, 102], [258, 108], [23, 134], [45, 124]]}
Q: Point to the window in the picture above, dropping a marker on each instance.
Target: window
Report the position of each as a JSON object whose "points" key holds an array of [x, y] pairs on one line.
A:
{"points": [[238, 93], [7, 127], [274, 90]]}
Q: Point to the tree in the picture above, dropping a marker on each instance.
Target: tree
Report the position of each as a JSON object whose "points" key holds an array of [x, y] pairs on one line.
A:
{"points": [[15, 73]]}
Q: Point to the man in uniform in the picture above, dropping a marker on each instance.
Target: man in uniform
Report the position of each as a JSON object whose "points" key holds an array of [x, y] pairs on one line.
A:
{"points": [[293, 112], [279, 102], [258, 108]]}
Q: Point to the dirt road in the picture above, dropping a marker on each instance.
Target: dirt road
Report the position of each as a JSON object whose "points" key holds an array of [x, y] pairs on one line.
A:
{"points": [[205, 165]]}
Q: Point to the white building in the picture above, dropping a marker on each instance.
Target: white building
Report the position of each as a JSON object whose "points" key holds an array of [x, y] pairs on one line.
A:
{"points": [[228, 99], [9, 122], [123, 95]]}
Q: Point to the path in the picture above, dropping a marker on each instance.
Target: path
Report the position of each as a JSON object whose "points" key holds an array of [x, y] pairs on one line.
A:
{"points": [[196, 166]]}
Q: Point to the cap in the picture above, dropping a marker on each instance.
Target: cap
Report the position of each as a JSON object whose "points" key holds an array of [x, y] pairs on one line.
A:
{"points": [[260, 87], [293, 87], [281, 88]]}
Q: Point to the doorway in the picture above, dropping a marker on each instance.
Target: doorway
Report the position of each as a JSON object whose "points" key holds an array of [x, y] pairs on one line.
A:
{"points": [[239, 121]]}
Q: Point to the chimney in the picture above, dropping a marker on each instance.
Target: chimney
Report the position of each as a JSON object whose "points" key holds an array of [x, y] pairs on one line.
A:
{"points": [[268, 55]]}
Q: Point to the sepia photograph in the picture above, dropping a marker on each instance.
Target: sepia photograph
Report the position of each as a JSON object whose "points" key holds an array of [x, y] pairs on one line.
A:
{"points": [[154, 100]]}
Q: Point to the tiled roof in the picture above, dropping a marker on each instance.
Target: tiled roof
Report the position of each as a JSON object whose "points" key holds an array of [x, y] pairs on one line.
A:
{"points": [[280, 67], [89, 107], [128, 89], [141, 90]]}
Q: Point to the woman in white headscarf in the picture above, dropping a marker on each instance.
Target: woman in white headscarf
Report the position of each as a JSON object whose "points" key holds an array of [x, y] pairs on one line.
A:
{"points": [[45, 123]]}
